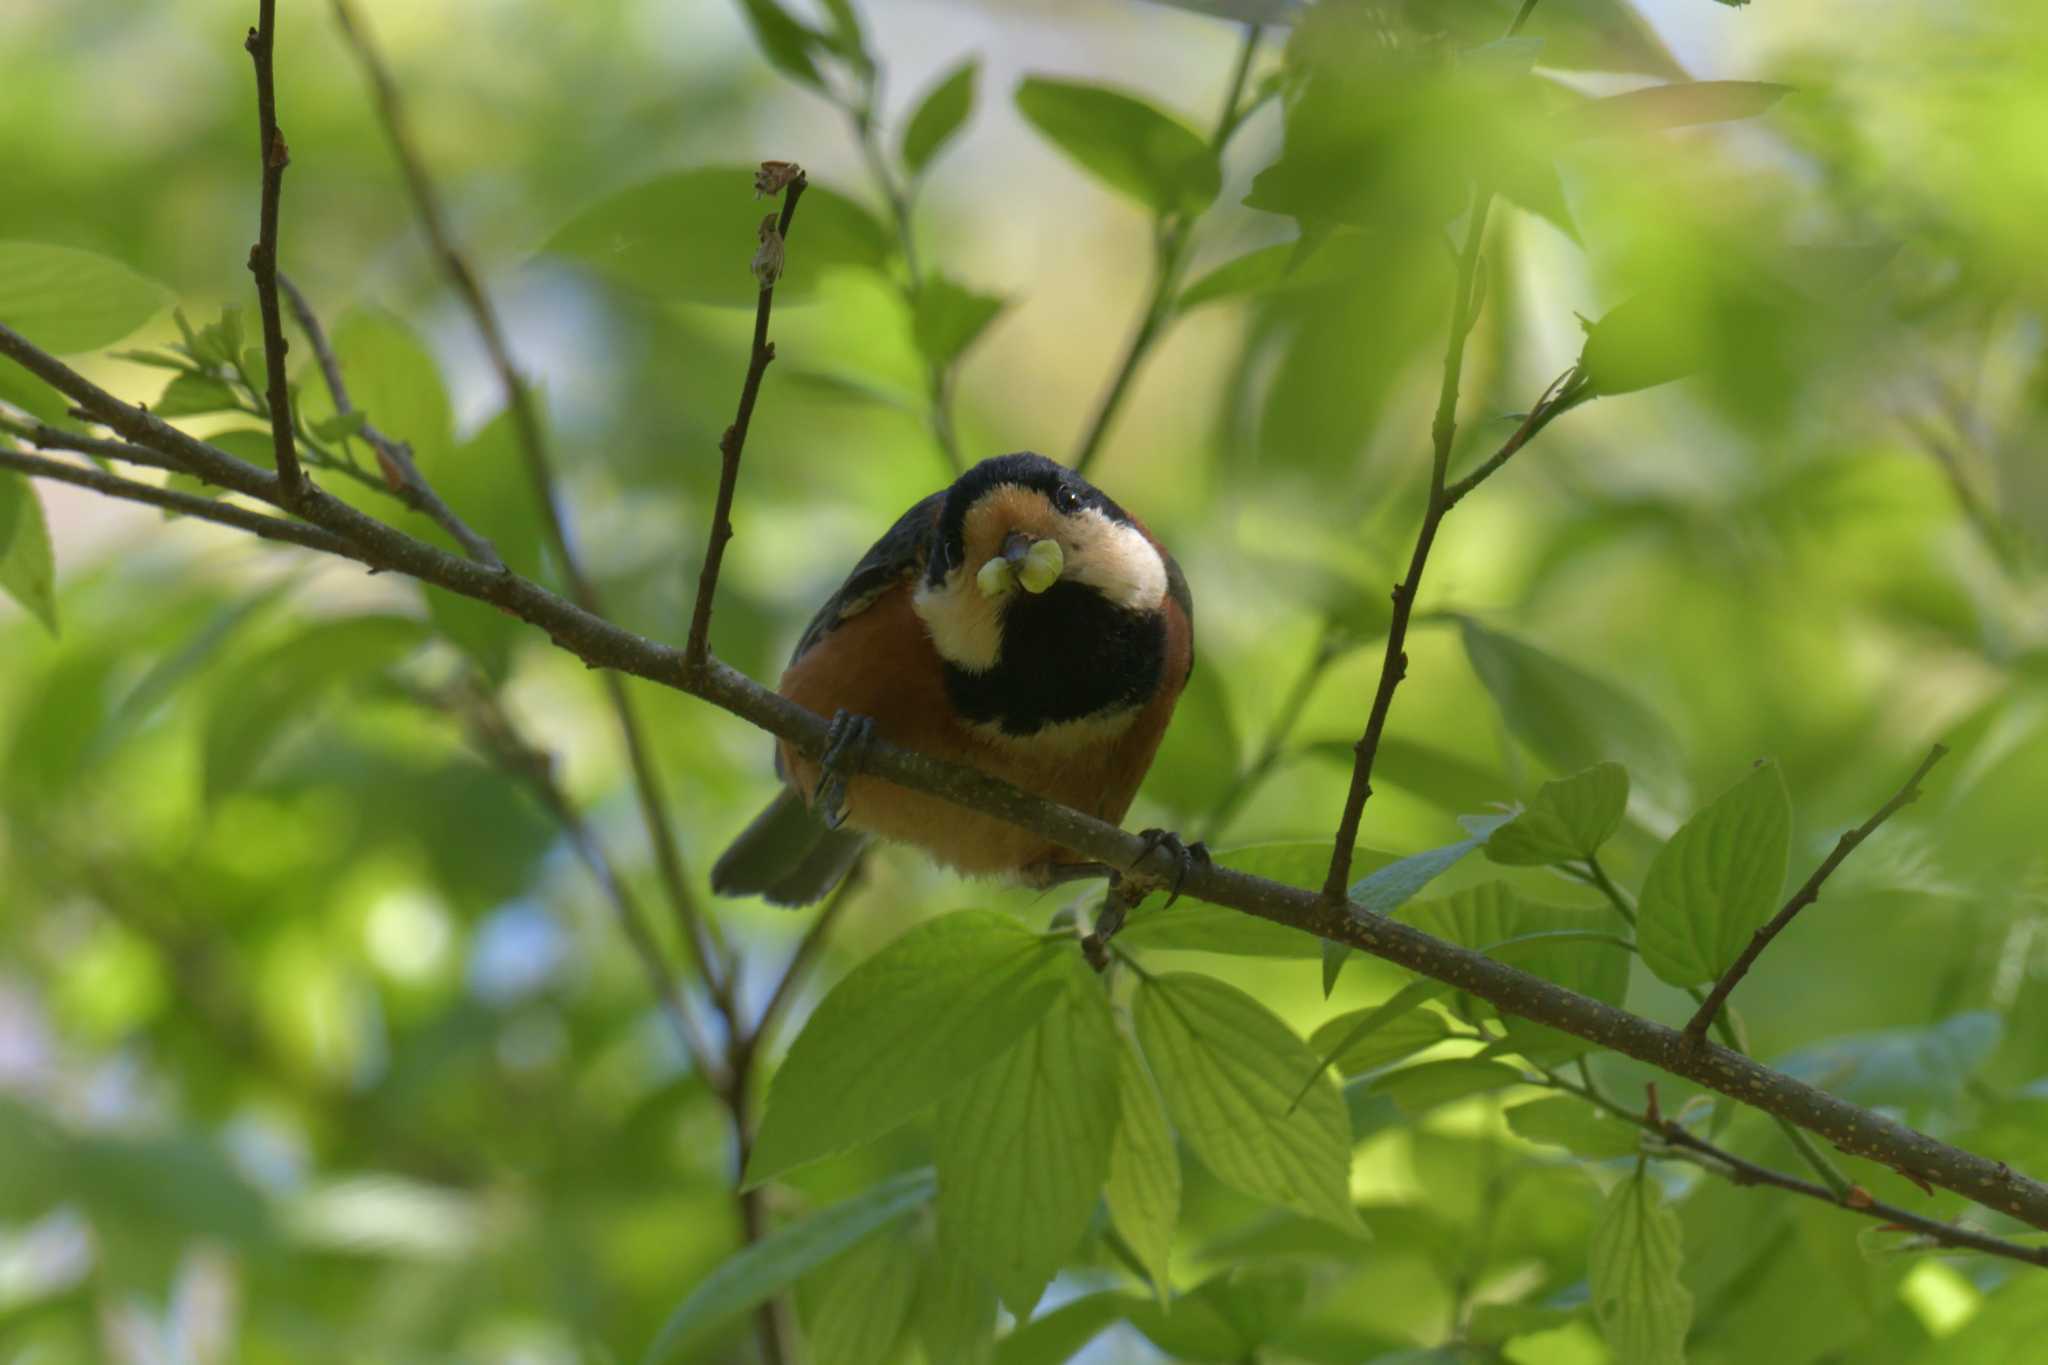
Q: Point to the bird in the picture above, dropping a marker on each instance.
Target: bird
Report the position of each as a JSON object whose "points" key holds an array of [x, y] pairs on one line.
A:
{"points": [[1018, 621]]}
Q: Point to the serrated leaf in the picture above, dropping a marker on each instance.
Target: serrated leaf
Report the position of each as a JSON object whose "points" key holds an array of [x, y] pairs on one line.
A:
{"points": [[940, 116], [1367, 1039], [955, 1315], [760, 1270], [66, 300], [1143, 1186], [1716, 881], [1576, 1126], [1230, 1071], [1421, 1088], [687, 237], [28, 564], [1124, 142], [949, 318], [865, 1305], [1573, 720], [1569, 819], [1023, 1147], [1389, 888], [1678, 105], [904, 1028], [1634, 1264], [189, 394]]}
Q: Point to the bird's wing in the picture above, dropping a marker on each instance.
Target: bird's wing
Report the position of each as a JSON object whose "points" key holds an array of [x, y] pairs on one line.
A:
{"points": [[897, 557]]}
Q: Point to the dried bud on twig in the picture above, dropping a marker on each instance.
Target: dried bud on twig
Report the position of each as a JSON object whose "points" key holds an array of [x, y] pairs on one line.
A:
{"points": [[768, 258], [774, 177]]}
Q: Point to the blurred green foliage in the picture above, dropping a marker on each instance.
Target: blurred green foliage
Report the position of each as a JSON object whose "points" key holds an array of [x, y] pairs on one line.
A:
{"points": [[316, 1043]]}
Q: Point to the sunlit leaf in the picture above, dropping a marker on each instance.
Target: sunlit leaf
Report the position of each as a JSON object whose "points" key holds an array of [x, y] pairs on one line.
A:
{"points": [[1637, 1253], [940, 116], [918, 1018], [1420, 1088], [760, 1270], [28, 564], [689, 237], [1144, 1181], [1717, 880], [1023, 1147], [64, 300], [1573, 1124], [1124, 142], [955, 1316], [189, 394], [865, 1305], [1227, 1317], [1568, 820], [1055, 1337], [1367, 1039], [1230, 1072]]}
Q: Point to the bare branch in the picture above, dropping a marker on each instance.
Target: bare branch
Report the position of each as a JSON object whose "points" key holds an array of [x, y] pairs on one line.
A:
{"points": [[1851, 1128], [1806, 895], [698, 931], [274, 156], [734, 441], [394, 458]]}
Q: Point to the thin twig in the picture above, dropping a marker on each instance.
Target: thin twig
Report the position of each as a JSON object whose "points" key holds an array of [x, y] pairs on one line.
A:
{"points": [[733, 443], [273, 155], [1171, 234], [711, 964], [401, 474], [1849, 1127], [1807, 894]]}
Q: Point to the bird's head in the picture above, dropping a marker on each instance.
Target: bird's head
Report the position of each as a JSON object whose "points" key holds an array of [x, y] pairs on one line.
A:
{"points": [[1027, 546]]}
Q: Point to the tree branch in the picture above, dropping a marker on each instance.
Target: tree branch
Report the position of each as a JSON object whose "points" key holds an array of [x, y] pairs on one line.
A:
{"points": [[274, 156], [394, 458], [697, 930], [1858, 1131], [734, 441], [1806, 895]]}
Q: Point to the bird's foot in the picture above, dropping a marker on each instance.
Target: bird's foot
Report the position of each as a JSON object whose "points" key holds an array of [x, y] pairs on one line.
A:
{"points": [[1186, 857], [848, 736], [1127, 889]]}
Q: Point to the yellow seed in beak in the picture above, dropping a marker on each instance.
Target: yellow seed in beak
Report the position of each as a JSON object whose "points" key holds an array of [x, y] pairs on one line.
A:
{"points": [[995, 578], [1043, 564]]}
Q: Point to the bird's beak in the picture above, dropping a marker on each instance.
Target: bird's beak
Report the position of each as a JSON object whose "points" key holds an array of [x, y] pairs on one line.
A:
{"points": [[1037, 564]]}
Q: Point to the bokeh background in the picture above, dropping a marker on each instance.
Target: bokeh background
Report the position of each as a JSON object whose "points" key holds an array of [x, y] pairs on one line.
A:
{"points": [[317, 1044]]}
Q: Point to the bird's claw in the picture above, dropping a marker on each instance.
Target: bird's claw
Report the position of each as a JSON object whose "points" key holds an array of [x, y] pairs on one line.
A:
{"points": [[1186, 857], [848, 735]]}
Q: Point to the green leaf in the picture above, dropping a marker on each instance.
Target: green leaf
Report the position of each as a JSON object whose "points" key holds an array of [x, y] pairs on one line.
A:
{"points": [[1199, 927], [1579, 1128], [1716, 881], [1421, 1088], [955, 1315], [1198, 760], [1573, 720], [1679, 105], [949, 318], [485, 480], [1634, 1263], [190, 394], [286, 685], [760, 1270], [1388, 889], [687, 237], [1124, 142], [1300, 264], [66, 300], [1497, 1322], [219, 342], [396, 384], [786, 43], [1230, 1072], [1058, 1336], [904, 1028], [1648, 339], [940, 116], [1918, 1070], [865, 1305], [1568, 820], [1143, 1185], [1367, 1039], [28, 565], [1228, 1317], [1023, 1147]]}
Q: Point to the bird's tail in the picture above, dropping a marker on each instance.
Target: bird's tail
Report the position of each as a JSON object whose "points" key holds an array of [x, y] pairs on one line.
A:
{"points": [[787, 855]]}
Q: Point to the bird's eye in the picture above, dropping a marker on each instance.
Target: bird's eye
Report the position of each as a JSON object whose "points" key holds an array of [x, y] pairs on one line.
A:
{"points": [[1066, 498]]}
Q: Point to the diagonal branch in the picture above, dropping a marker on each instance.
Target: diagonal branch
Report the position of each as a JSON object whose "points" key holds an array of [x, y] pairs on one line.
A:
{"points": [[1806, 895], [699, 933], [1851, 1128], [274, 155], [401, 474]]}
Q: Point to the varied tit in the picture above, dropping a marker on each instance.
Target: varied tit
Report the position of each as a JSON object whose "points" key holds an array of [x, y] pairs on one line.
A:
{"points": [[1019, 622]]}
